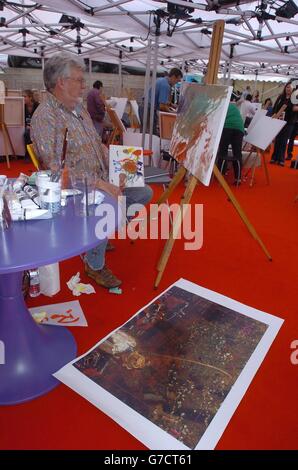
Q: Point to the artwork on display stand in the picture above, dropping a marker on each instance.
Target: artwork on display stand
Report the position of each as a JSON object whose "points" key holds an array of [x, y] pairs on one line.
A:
{"points": [[118, 104], [126, 163], [166, 124], [135, 109], [263, 134], [175, 372], [200, 118], [259, 113]]}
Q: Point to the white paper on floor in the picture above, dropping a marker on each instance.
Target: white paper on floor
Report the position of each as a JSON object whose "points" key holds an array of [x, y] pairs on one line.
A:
{"points": [[63, 314], [78, 287]]}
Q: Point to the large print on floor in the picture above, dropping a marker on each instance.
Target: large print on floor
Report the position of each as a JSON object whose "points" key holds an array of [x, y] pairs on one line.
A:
{"points": [[174, 373], [198, 128]]}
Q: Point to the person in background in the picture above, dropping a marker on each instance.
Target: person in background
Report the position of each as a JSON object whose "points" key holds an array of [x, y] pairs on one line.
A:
{"points": [[246, 92], [256, 97], [247, 110], [232, 134], [30, 107], [36, 96], [291, 141], [96, 106], [284, 105], [62, 109], [268, 105], [162, 100]]}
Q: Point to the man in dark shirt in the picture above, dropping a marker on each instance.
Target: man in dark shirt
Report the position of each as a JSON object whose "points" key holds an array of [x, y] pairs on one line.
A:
{"points": [[96, 106]]}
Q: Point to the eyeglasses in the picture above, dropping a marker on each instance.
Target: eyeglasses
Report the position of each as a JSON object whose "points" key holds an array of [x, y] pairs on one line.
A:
{"points": [[81, 81]]}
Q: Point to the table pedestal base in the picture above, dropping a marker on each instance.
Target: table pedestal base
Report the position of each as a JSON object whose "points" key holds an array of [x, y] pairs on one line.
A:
{"points": [[29, 353]]}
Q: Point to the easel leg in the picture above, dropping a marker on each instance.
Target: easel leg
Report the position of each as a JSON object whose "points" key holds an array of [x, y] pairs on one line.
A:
{"points": [[252, 179], [163, 260], [175, 181], [240, 211], [5, 144], [262, 157]]}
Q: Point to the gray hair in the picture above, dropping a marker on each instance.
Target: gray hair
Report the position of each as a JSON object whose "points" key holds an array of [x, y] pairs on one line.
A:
{"points": [[59, 66]]}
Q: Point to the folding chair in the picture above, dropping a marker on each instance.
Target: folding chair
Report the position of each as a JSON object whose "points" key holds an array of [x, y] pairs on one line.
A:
{"points": [[166, 125], [33, 156]]}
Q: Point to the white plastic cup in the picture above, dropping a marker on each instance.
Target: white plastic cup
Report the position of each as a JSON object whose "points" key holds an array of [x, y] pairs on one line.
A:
{"points": [[50, 195]]}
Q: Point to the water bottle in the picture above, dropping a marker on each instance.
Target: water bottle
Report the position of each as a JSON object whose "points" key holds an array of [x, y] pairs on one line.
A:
{"points": [[34, 289]]}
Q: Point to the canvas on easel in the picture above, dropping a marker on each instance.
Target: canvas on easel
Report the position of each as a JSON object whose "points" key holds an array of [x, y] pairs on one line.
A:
{"points": [[166, 124], [260, 137], [118, 104], [265, 132], [118, 126], [200, 163], [135, 111], [14, 111], [197, 131], [10, 114]]}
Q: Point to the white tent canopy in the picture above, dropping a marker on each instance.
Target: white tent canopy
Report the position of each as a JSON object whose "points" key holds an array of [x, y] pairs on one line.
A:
{"points": [[255, 37]]}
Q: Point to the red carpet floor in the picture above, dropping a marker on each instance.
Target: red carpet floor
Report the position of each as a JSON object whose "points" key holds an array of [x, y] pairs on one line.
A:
{"points": [[230, 262]]}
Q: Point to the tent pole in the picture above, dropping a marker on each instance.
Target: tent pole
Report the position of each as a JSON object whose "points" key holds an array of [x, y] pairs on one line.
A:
{"points": [[120, 76], [90, 71], [146, 92], [229, 72], [153, 91], [256, 79], [225, 72]]}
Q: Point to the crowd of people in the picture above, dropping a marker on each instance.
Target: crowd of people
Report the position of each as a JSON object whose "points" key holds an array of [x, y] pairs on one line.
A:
{"points": [[240, 115]]}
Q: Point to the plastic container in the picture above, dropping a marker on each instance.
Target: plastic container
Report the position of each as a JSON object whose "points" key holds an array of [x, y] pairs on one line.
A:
{"points": [[49, 277], [34, 289]]}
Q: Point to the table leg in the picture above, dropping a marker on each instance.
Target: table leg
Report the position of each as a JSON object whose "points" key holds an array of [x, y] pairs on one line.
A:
{"points": [[30, 353]]}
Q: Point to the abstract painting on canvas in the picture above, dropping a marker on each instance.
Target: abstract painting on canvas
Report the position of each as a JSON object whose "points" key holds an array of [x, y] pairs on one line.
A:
{"points": [[200, 119], [126, 166]]}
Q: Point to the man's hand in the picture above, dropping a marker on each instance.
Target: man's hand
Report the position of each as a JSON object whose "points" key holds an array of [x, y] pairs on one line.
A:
{"points": [[122, 181], [109, 188]]}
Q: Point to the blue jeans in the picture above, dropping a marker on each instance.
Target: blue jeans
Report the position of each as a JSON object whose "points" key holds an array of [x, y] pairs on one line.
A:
{"points": [[95, 258]]}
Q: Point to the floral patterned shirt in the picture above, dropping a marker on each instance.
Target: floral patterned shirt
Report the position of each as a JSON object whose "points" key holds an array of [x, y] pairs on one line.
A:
{"points": [[85, 151]]}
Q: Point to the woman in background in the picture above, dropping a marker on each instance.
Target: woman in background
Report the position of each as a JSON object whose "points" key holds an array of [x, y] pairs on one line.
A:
{"points": [[256, 96], [283, 104], [30, 106], [268, 105]]}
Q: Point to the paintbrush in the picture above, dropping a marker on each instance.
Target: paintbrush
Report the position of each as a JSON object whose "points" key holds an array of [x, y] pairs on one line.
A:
{"points": [[86, 195], [56, 175], [64, 149]]}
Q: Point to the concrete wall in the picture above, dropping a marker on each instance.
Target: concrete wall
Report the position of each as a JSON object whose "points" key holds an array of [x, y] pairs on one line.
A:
{"points": [[22, 79]]}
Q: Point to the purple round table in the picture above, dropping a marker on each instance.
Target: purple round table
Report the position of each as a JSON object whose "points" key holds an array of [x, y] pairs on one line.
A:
{"points": [[32, 352]]}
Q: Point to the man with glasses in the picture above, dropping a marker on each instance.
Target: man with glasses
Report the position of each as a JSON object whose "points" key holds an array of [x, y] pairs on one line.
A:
{"points": [[62, 108]]}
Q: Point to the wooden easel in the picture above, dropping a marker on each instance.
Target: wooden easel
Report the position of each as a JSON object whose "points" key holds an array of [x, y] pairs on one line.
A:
{"points": [[211, 78], [118, 126], [6, 136], [261, 154]]}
